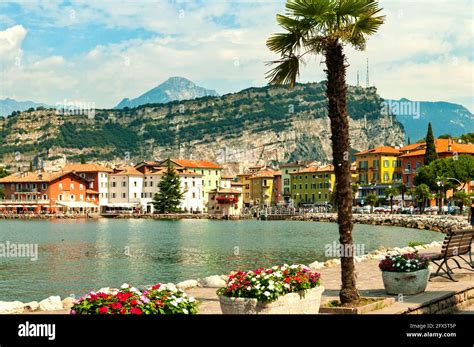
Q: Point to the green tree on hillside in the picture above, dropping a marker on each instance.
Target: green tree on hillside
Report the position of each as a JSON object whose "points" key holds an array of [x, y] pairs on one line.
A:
{"points": [[324, 27], [168, 199], [430, 154]]}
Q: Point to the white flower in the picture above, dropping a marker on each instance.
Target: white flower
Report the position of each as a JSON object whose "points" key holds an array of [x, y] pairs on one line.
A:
{"points": [[267, 293], [278, 274], [135, 290], [286, 285], [294, 266], [125, 285], [253, 280], [275, 268], [271, 287], [192, 299], [185, 311], [179, 300], [249, 288], [174, 303], [271, 282]]}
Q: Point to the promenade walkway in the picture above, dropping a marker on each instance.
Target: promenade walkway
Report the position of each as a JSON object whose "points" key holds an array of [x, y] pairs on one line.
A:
{"points": [[369, 283]]}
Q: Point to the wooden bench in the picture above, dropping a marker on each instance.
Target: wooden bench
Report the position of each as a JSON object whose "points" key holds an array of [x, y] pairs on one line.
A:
{"points": [[457, 244]]}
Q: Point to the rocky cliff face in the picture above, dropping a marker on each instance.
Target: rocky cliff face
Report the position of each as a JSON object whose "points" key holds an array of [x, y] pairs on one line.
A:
{"points": [[255, 126]]}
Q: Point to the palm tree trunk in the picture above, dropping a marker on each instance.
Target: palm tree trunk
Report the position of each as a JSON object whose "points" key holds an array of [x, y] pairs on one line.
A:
{"points": [[336, 91]]}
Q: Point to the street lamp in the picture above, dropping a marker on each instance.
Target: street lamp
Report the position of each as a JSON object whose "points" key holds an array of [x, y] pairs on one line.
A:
{"points": [[441, 189]]}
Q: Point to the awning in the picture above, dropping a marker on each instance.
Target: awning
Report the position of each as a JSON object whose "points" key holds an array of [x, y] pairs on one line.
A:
{"points": [[122, 204], [76, 204]]}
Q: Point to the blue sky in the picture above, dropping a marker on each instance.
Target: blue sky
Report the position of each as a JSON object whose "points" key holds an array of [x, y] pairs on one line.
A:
{"points": [[102, 51]]}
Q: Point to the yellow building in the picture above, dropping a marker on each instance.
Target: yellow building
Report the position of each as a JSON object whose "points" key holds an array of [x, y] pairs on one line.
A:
{"points": [[312, 185], [244, 179], [264, 187], [379, 165]]}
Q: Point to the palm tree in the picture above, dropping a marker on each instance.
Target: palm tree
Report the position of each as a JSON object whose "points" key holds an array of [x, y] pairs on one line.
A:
{"points": [[403, 189], [390, 192], [371, 200], [323, 27]]}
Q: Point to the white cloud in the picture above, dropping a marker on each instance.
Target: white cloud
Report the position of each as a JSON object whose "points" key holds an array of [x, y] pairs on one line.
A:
{"points": [[423, 51]]}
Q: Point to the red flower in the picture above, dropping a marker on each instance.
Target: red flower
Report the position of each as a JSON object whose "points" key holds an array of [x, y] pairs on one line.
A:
{"points": [[159, 303], [103, 310], [133, 302], [135, 310], [156, 286], [116, 305], [287, 280]]}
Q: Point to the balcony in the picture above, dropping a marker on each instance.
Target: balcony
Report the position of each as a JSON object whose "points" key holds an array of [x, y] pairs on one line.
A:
{"points": [[24, 202], [226, 200]]}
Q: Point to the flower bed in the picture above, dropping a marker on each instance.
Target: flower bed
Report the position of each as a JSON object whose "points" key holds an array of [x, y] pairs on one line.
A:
{"points": [[280, 289], [130, 300], [268, 284], [408, 262]]}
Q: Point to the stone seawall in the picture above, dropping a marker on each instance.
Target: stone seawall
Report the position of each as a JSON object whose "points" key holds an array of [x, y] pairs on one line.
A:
{"points": [[423, 222]]}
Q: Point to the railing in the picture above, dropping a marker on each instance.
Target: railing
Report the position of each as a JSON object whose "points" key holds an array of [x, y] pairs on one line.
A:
{"points": [[24, 202]]}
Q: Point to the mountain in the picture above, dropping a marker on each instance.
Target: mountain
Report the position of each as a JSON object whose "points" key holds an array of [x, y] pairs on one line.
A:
{"points": [[254, 126], [174, 88], [7, 106], [445, 117]]}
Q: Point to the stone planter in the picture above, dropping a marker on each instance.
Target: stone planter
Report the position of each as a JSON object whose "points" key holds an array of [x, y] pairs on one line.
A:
{"points": [[292, 303], [407, 283]]}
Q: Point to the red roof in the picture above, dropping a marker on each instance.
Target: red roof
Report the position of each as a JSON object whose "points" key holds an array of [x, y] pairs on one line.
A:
{"points": [[442, 146], [197, 164], [86, 168], [380, 150]]}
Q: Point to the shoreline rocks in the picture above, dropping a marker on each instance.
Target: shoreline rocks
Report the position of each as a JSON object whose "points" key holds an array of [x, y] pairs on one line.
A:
{"points": [[440, 223]]}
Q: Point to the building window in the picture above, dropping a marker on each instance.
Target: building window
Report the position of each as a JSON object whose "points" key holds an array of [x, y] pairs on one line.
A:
{"points": [[194, 195], [113, 195], [386, 163], [135, 195], [194, 183], [81, 186], [81, 197], [408, 166], [72, 197], [286, 172], [306, 186], [385, 176], [60, 197], [60, 186], [72, 186], [124, 195], [113, 184], [394, 163], [44, 186], [134, 183], [124, 184], [301, 186]]}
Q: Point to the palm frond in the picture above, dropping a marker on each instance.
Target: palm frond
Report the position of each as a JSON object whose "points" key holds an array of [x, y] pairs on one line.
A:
{"points": [[286, 72], [284, 43], [307, 8]]}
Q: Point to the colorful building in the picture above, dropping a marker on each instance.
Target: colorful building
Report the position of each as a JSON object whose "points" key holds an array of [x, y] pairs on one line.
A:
{"points": [[377, 169], [312, 185], [244, 179], [413, 156], [286, 171], [225, 202], [48, 192], [210, 173], [265, 187], [97, 175]]}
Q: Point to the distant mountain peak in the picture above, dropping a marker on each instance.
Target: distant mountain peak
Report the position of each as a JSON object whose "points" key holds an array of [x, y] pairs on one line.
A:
{"points": [[174, 88]]}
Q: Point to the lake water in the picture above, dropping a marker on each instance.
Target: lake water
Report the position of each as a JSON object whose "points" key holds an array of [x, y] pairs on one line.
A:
{"points": [[76, 256]]}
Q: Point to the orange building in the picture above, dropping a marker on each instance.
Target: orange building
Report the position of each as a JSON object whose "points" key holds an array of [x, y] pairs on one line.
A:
{"points": [[48, 192], [413, 156]]}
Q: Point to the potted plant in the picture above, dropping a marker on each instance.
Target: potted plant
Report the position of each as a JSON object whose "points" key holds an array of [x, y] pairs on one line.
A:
{"points": [[280, 289], [130, 300], [405, 273]]}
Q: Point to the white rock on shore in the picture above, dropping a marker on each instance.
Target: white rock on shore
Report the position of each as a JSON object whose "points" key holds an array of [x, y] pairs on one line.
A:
{"points": [[53, 303], [8, 307], [31, 306], [316, 265], [214, 281], [188, 284]]}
